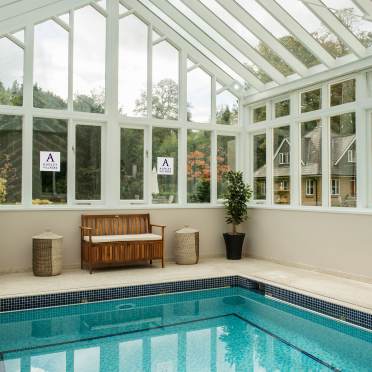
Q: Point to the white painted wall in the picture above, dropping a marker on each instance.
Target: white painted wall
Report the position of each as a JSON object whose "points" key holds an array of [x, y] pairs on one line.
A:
{"points": [[17, 229], [332, 242]]}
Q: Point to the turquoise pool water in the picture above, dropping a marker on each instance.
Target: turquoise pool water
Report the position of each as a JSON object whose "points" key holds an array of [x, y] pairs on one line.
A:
{"points": [[228, 329]]}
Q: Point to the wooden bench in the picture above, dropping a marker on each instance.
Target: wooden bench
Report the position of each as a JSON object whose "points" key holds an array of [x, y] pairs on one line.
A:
{"points": [[115, 240]]}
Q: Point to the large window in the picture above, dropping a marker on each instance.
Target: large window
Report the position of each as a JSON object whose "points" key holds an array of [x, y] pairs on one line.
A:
{"points": [[311, 163], [132, 164], [49, 184], [259, 166], [164, 175], [281, 170], [165, 76], [133, 67], [51, 66], [343, 172], [226, 160], [198, 166], [227, 108], [89, 68], [88, 162], [11, 73], [198, 96], [10, 159]]}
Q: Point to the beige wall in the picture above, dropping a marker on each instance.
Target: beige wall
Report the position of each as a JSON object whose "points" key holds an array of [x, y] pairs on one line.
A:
{"points": [[17, 228], [331, 242]]}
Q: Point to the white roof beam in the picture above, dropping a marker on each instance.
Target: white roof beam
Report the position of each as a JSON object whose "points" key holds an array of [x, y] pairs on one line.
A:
{"points": [[28, 12], [193, 52], [208, 43], [245, 48], [254, 26], [296, 29], [323, 13], [365, 6]]}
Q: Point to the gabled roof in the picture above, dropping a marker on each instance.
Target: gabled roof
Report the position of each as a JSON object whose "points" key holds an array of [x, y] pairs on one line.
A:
{"points": [[340, 146], [253, 45]]}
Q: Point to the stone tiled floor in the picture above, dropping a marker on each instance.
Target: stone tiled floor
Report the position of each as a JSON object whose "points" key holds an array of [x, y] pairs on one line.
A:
{"points": [[347, 292]]}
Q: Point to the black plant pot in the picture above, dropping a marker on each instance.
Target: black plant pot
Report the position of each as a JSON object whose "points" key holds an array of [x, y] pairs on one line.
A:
{"points": [[234, 245]]}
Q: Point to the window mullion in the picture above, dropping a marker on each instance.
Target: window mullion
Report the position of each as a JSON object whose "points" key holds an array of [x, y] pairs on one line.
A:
{"points": [[27, 120], [182, 166], [326, 169], [70, 98], [213, 167], [269, 167]]}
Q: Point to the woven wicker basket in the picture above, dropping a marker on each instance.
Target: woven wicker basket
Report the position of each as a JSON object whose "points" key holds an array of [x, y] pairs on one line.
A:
{"points": [[47, 254], [187, 246]]}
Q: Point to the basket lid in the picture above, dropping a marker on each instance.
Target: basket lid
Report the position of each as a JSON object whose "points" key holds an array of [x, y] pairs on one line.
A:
{"points": [[47, 235], [186, 230]]}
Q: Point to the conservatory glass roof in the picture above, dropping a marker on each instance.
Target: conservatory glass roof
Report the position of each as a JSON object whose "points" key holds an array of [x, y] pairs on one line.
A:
{"points": [[253, 45]]}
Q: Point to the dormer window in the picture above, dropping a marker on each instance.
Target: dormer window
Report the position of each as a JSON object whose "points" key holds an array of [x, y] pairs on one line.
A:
{"points": [[284, 158]]}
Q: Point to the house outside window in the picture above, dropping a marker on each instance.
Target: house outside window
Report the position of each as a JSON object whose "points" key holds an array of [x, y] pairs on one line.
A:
{"points": [[284, 185], [284, 158], [335, 187], [310, 187]]}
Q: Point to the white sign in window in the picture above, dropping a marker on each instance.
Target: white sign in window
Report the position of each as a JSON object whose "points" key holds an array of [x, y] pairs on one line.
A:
{"points": [[165, 166], [50, 161]]}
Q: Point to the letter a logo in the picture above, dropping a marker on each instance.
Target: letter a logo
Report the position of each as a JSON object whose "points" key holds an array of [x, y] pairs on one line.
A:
{"points": [[50, 158], [165, 163]]}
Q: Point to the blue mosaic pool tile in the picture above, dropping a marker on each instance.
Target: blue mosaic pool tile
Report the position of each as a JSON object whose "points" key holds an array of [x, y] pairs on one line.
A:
{"points": [[320, 306], [58, 299]]}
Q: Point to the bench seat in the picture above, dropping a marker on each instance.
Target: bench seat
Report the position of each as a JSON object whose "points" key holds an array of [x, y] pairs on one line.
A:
{"points": [[123, 238]]}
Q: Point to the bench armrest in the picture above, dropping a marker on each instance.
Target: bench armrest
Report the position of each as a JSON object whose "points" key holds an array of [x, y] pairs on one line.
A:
{"points": [[85, 229], [161, 226]]}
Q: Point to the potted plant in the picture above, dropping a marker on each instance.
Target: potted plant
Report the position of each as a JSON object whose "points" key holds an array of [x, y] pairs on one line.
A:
{"points": [[237, 194]]}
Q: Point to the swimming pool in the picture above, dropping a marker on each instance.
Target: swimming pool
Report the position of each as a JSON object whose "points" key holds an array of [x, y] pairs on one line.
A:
{"points": [[226, 329]]}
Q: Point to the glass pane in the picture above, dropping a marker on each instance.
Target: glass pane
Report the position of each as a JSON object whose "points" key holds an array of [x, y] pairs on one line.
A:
{"points": [[343, 92], [10, 159], [89, 68], [226, 160], [311, 101], [313, 25], [343, 161], [291, 42], [199, 96], [88, 162], [259, 114], [281, 165], [131, 164], [311, 163], [198, 166], [50, 66], [11, 73], [165, 82], [353, 19], [164, 156], [227, 108], [49, 187], [132, 67], [259, 167], [282, 108]]}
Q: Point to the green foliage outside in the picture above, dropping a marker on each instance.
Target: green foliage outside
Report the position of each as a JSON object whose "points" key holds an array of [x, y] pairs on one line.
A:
{"points": [[237, 195]]}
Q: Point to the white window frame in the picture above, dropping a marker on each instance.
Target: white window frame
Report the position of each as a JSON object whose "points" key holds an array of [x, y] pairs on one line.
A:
{"points": [[284, 158], [335, 187], [350, 156], [251, 167], [309, 187]]}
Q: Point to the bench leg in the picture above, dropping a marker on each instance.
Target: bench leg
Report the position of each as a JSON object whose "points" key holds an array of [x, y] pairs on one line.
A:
{"points": [[150, 262], [162, 262]]}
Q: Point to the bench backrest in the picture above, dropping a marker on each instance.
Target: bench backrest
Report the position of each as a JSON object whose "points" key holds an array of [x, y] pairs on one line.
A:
{"points": [[117, 224]]}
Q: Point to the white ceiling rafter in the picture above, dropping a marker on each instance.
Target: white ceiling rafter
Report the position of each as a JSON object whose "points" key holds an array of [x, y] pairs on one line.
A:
{"points": [[365, 6], [256, 28], [208, 43], [193, 52], [328, 18], [245, 48], [296, 29], [27, 12]]}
